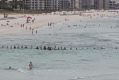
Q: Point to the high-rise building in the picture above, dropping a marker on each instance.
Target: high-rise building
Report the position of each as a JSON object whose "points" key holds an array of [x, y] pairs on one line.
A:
{"points": [[101, 4], [106, 4], [113, 4], [35, 4], [72, 4], [91, 4], [55, 5], [49, 5], [78, 4], [63, 4]]}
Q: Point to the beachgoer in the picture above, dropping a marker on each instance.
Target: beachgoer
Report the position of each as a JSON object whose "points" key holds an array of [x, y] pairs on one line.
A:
{"points": [[10, 68], [30, 66], [36, 31], [32, 31]]}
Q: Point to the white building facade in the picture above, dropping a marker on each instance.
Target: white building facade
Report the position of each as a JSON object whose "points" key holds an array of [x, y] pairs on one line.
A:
{"points": [[55, 5], [48, 4], [35, 4]]}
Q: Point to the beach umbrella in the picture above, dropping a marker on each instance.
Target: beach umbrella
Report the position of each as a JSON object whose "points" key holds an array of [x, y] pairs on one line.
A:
{"points": [[29, 17]]}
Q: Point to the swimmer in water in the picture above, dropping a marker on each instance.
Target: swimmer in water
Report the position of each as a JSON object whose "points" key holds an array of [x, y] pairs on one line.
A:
{"points": [[10, 68], [30, 65]]}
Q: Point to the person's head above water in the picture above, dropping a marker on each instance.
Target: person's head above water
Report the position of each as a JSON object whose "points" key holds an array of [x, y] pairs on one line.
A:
{"points": [[10, 67]]}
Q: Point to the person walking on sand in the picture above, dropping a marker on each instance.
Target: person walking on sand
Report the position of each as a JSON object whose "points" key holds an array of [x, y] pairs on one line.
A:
{"points": [[30, 66]]}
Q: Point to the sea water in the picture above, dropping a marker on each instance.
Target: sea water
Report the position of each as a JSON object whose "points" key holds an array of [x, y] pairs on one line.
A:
{"points": [[83, 64], [94, 54]]}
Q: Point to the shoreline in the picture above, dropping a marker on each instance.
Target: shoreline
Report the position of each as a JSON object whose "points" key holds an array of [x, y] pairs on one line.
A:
{"points": [[18, 28]]}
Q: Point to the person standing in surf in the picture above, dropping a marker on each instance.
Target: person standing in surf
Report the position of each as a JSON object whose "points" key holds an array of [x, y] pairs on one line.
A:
{"points": [[30, 66]]}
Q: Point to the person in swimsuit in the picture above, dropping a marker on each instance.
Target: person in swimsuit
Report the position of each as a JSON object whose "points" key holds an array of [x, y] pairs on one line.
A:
{"points": [[30, 66]]}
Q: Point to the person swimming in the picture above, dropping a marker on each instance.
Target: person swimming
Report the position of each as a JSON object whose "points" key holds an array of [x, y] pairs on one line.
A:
{"points": [[30, 66], [10, 68]]}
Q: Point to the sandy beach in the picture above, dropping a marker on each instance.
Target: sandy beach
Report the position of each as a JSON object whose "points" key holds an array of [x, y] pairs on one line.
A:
{"points": [[12, 25]]}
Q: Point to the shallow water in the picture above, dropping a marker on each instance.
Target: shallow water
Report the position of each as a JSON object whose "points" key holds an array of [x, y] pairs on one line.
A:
{"points": [[69, 59], [81, 63], [96, 56]]}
